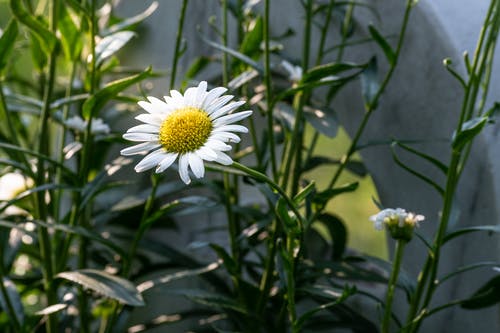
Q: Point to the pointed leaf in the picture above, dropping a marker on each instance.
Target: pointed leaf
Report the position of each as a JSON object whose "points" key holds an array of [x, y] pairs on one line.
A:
{"points": [[7, 39], [462, 231], [487, 295], [110, 44], [46, 38], [384, 45], [105, 284], [324, 71], [338, 234], [370, 84], [440, 165], [97, 101], [468, 132], [70, 35], [14, 298], [325, 196], [130, 21], [250, 45], [52, 309], [323, 120]]}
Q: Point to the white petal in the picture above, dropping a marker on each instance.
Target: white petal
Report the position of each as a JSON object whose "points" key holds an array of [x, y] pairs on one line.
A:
{"points": [[177, 98], [223, 158], [225, 137], [217, 145], [144, 128], [218, 103], [206, 153], [226, 109], [152, 119], [230, 128], [212, 95], [150, 161], [140, 148], [190, 96], [167, 161], [155, 105], [196, 164], [183, 169], [141, 137], [231, 118], [201, 92]]}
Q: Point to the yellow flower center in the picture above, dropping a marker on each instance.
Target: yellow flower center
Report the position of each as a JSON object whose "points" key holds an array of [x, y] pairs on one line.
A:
{"points": [[185, 130]]}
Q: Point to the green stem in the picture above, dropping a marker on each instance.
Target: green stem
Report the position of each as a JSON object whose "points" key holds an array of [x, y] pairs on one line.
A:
{"points": [[268, 92], [11, 312], [398, 256], [42, 148], [178, 41], [373, 104]]}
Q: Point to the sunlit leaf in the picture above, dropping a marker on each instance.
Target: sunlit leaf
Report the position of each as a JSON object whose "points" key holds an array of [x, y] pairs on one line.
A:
{"points": [[468, 132], [7, 39], [131, 21], [110, 44], [105, 284], [52, 309], [97, 101], [70, 35]]}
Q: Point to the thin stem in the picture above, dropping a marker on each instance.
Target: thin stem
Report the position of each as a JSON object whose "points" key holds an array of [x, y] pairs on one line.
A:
{"points": [[268, 92], [178, 41], [41, 207], [373, 104], [398, 256]]}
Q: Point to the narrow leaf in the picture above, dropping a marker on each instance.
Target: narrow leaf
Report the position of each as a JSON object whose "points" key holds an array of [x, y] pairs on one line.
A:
{"points": [[487, 295], [70, 35], [304, 193], [46, 38], [110, 44], [97, 101], [468, 131], [440, 165], [462, 231], [52, 309], [105, 284], [338, 234], [370, 84], [326, 195], [324, 71], [130, 21], [323, 120], [384, 45], [250, 45], [7, 40], [14, 298]]}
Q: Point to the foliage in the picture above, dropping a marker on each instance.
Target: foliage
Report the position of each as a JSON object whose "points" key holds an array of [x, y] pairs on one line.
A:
{"points": [[80, 246]]}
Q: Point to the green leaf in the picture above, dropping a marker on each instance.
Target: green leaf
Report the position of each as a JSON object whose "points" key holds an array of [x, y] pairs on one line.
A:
{"points": [[487, 295], [384, 45], [176, 276], [229, 263], [96, 102], [370, 84], [46, 38], [423, 177], [468, 132], [467, 268], [338, 295], [440, 165], [356, 167], [105, 284], [289, 220], [52, 309], [323, 120], [304, 193], [323, 197], [250, 45], [7, 40], [211, 299], [238, 55], [196, 67], [131, 21], [462, 231], [14, 298], [70, 35], [110, 44], [324, 71], [337, 232], [38, 55]]}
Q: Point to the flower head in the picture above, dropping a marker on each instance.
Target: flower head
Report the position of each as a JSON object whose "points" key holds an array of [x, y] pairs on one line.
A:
{"points": [[12, 184], [190, 128], [399, 222]]}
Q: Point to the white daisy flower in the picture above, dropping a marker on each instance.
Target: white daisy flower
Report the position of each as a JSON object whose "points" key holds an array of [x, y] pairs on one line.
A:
{"points": [[399, 222], [189, 128]]}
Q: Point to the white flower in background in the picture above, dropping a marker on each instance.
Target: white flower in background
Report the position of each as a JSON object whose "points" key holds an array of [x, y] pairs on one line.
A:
{"points": [[12, 184], [294, 72], [189, 128], [399, 222], [78, 124]]}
